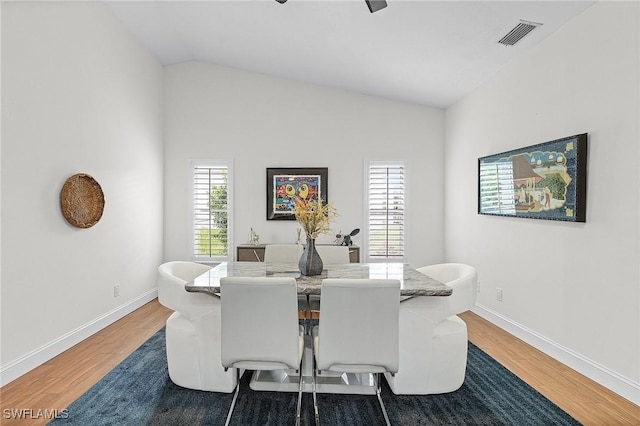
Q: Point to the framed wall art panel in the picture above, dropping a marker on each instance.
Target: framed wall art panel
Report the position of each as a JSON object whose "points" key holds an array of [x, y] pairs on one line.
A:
{"points": [[287, 183], [544, 181]]}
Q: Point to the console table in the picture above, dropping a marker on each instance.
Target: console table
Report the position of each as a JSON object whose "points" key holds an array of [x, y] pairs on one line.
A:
{"points": [[250, 253], [255, 253]]}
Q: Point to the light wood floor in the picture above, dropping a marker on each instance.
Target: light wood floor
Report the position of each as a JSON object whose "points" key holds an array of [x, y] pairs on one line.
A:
{"points": [[57, 383]]}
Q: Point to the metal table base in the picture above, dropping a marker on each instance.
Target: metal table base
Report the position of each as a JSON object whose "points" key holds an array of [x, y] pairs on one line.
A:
{"points": [[327, 382]]}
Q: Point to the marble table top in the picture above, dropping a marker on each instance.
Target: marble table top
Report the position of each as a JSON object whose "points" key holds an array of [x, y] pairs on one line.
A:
{"points": [[412, 282]]}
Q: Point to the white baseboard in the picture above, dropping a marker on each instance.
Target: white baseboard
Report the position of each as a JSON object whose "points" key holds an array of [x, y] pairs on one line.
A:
{"points": [[613, 381], [39, 356]]}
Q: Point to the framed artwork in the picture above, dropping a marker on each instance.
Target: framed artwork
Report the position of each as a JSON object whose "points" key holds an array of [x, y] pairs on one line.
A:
{"points": [[285, 184], [544, 181]]}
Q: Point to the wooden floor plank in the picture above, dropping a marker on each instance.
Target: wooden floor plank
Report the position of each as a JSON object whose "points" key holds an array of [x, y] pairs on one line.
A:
{"points": [[585, 400], [61, 380]]}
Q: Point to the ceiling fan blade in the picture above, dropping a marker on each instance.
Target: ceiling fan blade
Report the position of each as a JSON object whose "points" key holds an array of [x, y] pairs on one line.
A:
{"points": [[375, 5]]}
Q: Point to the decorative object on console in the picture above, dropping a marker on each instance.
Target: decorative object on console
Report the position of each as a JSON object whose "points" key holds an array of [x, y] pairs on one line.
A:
{"points": [[284, 185], [254, 239], [345, 240], [82, 200], [315, 218], [544, 181]]}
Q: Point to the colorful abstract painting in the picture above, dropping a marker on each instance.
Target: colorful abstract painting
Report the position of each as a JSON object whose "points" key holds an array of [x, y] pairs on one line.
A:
{"points": [[284, 185]]}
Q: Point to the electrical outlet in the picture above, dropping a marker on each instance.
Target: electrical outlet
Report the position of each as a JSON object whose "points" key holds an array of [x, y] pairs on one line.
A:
{"points": [[499, 294], [116, 290]]}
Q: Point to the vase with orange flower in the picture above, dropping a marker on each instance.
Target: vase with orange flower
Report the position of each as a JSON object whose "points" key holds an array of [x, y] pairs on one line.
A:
{"points": [[315, 217]]}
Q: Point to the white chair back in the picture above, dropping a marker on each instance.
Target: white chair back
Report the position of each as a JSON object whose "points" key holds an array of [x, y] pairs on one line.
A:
{"points": [[260, 328], [282, 253], [333, 255], [172, 277], [358, 329], [461, 278]]}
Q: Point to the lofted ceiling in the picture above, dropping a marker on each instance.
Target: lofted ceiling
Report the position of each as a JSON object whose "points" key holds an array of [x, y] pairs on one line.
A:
{"points": [[427, 52]]}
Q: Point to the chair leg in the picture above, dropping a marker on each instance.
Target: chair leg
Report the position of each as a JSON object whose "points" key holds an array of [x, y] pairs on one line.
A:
{"points": [[384, 411], [235, 397], [299, 395], [307, 316], [315, 401]]}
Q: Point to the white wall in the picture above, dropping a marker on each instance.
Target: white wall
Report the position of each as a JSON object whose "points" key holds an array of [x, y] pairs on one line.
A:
{"points": [[576, 286], [78, 95], [258, 121]]}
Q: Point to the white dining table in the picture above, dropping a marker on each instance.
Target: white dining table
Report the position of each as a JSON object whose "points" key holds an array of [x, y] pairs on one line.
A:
{"points": [[412, 284]]}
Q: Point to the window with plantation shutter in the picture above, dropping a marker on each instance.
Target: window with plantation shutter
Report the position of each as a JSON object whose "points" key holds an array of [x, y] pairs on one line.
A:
{"points": [[212, 211], [386, 211]]}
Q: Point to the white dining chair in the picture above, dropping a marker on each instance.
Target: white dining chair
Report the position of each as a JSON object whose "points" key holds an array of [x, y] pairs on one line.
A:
{"points": [[333, 255], [358, 330], [274, 341], [282, 253], [287, 253], [192, 331], [433, 338]]}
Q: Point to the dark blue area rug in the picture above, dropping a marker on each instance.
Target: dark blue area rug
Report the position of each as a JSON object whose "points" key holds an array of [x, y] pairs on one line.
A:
{"points": [[139, 392]]}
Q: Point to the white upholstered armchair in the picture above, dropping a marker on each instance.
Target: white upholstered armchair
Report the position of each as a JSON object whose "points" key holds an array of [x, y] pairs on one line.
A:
{"points": [[433, 339], [192, 331]]}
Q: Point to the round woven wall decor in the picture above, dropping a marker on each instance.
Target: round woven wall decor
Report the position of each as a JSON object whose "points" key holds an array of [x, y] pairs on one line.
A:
{"points": [[82, 200]]}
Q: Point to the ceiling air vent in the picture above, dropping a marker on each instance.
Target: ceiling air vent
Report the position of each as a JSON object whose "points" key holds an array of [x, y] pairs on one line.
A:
{"points": [[518, 32]]}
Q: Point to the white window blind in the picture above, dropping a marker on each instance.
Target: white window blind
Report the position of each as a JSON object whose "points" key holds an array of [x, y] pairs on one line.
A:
{"points": [[212, 211], [386, 207]]}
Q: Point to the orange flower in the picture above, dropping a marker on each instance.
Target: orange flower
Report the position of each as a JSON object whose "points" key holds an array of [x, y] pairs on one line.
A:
{"points": [[314, 216]]}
